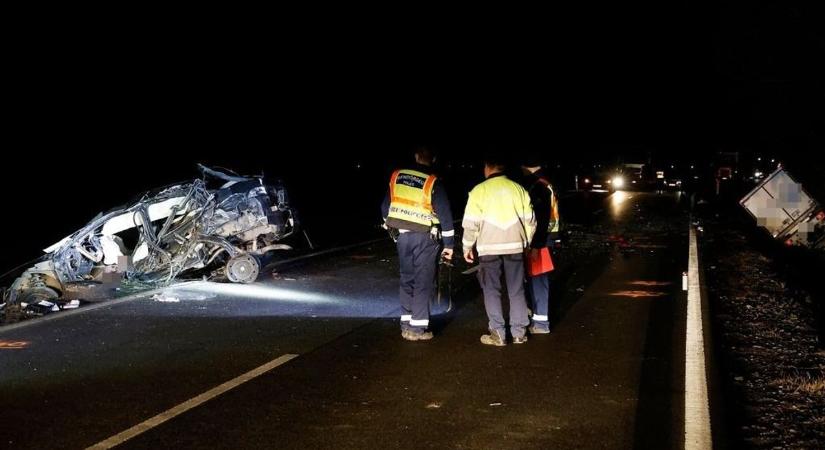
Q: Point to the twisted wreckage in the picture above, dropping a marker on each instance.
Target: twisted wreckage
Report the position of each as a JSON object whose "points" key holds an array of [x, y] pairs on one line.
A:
{"points": [[220, 224]]}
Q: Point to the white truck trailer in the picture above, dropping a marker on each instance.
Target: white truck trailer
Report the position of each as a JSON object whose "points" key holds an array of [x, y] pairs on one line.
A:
{"points": [[781, 206]]}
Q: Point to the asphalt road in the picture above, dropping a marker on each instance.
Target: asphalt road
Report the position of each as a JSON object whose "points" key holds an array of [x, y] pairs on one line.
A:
{"points": [[609, 376]]}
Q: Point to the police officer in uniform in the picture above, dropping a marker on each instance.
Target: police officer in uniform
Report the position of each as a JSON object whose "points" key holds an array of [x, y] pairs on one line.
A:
{"points": [[416, 205]]}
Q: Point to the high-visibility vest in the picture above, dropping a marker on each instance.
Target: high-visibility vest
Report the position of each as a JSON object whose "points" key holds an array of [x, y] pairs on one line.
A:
{"points": [[411, 207], [498, 219], [555, 221]]}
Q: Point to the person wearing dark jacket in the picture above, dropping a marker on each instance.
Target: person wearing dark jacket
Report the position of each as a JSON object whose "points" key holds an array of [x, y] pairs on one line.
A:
{"points": [[416, 205], [543, 199]]}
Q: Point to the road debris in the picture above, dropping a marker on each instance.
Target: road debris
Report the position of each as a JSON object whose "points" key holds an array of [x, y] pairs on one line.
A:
{"points": [[73, 304], [165, 298]]}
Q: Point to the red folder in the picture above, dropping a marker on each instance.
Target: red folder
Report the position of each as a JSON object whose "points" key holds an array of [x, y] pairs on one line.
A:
{"points": [[539, 262]]}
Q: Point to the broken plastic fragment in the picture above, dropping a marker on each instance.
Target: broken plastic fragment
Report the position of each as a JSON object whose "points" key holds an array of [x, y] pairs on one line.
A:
{"points": [[72, 304], [48, 305]]}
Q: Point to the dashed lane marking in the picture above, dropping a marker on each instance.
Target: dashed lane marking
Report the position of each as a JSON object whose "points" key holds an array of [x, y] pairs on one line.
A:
{"points": [[189, 404]]}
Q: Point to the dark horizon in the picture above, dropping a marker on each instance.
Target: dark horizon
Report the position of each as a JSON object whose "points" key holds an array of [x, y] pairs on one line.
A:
{"points": [[91, 129]]}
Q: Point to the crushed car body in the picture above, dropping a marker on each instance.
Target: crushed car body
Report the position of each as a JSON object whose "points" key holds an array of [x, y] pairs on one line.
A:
{"points": [[220, 224]]}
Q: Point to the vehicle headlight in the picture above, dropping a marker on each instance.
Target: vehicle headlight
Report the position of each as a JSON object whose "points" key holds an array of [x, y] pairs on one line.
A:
{"points": [[618, 182]]}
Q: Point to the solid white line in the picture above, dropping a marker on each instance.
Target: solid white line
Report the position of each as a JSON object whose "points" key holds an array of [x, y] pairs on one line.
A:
{"points": [[189, 404], [697, 408]]}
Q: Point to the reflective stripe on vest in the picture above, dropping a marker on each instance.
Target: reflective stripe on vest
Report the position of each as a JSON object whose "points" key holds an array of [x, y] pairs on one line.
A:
{"points": [[411, 197], [554, 224]]}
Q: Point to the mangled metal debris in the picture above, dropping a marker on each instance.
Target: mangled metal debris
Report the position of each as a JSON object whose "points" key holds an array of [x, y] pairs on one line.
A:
{"points": [[782, 206], [219, 225]]}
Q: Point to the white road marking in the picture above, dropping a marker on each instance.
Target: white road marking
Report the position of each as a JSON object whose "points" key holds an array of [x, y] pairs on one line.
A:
{"points": [[191, 403], [697, 409]]}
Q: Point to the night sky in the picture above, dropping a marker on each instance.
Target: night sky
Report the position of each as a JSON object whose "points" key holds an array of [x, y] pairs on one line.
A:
{"points": [[312, 99]]}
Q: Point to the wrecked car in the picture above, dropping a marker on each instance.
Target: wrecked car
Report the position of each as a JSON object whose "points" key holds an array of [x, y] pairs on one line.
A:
{"points": [[781, 206], [219, 225]]}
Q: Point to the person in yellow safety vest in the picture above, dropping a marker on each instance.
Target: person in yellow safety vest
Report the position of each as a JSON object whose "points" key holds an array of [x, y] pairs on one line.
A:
{"points": [[546, 207], [416, 205], [499, 223]]}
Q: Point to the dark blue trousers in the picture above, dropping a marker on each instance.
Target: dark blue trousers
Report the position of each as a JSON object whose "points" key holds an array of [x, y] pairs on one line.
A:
{"points": [[538, 288], [489, 276], [418, 260]]}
